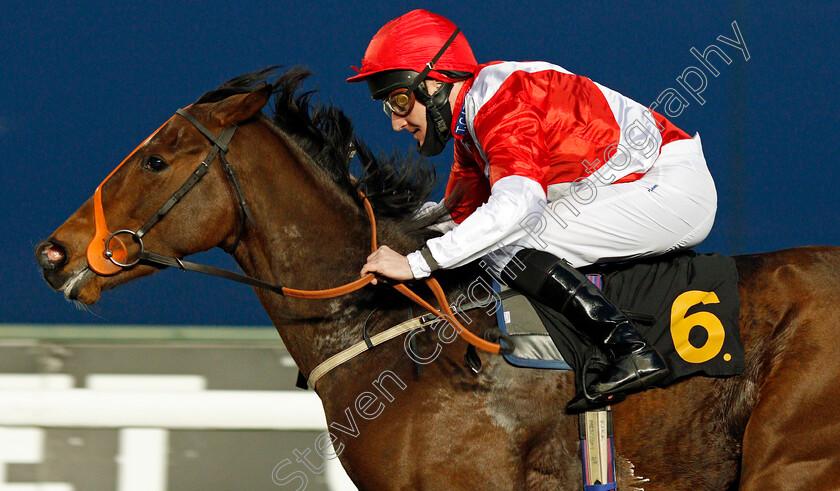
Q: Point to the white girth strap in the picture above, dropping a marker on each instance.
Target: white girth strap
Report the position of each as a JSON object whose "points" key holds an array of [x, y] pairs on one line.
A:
{"points": [[360, 347]]}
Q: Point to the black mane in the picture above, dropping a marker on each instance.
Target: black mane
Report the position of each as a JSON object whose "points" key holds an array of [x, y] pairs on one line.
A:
{"points": [[396, 186]]}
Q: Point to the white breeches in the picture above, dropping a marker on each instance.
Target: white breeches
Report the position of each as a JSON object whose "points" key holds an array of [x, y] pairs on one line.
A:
{"points": [[672, 207]]}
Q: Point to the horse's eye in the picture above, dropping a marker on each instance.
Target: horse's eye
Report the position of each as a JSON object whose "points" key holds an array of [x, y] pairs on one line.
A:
{"points": [[154, 164]]}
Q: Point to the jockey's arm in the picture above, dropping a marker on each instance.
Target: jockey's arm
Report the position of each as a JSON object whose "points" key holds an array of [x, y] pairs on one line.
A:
{"points": [[496, 223]]}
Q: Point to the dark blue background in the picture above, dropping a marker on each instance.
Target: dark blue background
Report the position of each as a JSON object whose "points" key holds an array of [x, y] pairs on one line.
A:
{"points": [[83, 85]]}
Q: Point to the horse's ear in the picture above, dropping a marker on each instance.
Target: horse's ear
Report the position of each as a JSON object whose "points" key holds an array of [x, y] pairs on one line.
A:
{"points": [[240, 107]]}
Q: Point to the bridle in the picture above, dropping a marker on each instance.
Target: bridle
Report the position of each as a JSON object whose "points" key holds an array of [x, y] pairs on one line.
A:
{"points": [[220, 148], [115, 259]]}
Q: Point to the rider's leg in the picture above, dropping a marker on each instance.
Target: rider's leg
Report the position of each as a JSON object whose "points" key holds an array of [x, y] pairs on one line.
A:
{"points": [[634, 365]]}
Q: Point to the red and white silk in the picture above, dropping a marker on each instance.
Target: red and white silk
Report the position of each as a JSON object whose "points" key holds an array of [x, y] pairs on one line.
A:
{"points": [[548, 159]]}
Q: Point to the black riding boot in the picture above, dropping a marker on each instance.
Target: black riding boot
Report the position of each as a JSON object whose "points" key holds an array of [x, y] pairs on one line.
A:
{"points": [[634, 365]]}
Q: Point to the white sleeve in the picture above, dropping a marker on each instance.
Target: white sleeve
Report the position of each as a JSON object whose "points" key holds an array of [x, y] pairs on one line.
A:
{"points": [[494, 224], [419, 267]]}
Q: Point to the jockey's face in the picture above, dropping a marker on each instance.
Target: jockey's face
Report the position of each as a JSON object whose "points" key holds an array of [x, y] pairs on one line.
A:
{"points": [[415, 121]]}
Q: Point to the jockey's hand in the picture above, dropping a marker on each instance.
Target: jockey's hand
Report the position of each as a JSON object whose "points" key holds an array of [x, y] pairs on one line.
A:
{"points": [[388, 263]]}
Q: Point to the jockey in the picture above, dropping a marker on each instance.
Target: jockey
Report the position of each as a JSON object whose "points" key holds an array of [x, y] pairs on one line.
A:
{"points": [[551, 172]]}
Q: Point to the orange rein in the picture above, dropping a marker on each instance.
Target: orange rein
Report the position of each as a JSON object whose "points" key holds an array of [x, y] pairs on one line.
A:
{"points": [[400, 287]]}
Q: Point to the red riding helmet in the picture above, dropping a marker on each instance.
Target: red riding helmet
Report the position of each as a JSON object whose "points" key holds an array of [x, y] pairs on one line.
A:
{"points": [[407, 44]]}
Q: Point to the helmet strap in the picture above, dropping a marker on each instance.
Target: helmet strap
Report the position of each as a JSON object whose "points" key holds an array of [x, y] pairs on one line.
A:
{"points": [[431, 64], [438, 111], [438, 119]]}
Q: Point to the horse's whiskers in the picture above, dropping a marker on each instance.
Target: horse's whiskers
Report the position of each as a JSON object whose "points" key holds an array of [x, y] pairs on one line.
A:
{"points": [[89, 309]]}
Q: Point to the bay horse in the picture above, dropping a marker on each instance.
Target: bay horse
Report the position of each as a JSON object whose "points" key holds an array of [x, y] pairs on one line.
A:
{"points": [[776, 426]]}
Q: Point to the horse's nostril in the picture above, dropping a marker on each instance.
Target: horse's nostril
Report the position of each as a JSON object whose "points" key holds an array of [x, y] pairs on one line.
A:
{"points": [[54, 254], [50, 255]]}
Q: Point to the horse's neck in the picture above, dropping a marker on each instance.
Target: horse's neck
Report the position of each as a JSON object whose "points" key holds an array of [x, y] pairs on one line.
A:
{"points": [[308, 235]]}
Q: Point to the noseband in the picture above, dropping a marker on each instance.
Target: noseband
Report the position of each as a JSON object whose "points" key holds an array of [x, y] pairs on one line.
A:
{"points": [[220, 147]]}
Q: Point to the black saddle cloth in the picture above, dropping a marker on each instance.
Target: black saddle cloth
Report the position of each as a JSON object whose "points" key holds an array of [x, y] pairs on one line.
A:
{"points": [[685, 304]]}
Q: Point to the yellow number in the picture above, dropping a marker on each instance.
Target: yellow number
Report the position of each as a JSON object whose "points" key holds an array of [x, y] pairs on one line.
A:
{"points": [[681, 327]]}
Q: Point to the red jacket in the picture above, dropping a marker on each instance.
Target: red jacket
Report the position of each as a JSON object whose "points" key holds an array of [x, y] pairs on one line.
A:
{"points": [[539, 121], [522, 127]]}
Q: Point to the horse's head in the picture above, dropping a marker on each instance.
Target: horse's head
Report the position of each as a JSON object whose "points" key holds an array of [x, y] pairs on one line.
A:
{"points": [[74, 258]]}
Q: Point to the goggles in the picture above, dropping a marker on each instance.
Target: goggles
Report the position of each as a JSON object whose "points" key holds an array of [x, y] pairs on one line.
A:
{"points": [[399, 102]]}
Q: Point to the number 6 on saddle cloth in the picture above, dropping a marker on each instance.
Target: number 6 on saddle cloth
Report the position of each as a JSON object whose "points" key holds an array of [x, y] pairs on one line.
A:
{"points": [[685, 304]]}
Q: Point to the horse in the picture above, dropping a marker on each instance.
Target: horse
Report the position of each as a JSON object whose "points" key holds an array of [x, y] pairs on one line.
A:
{"points": [[395, 426]]}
